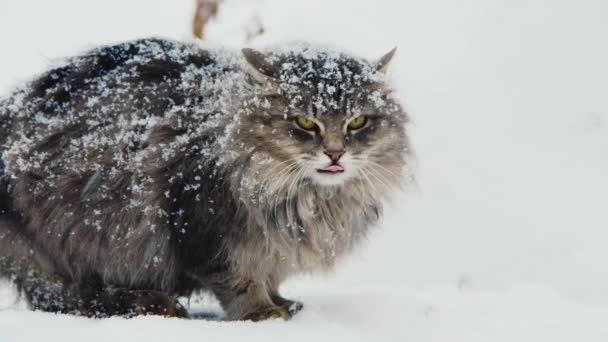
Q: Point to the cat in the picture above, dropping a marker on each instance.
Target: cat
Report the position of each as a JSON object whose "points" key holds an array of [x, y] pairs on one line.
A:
{"points": [[141, 172]]}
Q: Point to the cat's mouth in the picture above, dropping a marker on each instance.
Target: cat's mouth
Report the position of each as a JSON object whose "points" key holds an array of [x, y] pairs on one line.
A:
{"points": [[331, 168]]}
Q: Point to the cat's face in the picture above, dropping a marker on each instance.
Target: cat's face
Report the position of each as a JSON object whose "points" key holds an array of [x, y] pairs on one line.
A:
{"points": [[326, 117]]}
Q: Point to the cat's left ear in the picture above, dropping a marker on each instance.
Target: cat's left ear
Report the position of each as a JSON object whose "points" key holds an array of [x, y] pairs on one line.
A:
{"points": [[260, 67], [383, 63]]}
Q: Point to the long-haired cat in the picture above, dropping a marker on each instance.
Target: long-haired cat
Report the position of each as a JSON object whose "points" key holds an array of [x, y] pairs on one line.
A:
{"points": [[153, 169]]}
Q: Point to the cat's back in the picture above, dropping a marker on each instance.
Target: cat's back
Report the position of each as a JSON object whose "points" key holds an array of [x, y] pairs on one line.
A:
{"points": [[89, 151], [109, 100], [133, 71]]}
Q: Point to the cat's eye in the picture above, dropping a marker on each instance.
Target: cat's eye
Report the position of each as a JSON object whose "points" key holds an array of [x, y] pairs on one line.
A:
{"points": [[358, 122], [305, 123]]}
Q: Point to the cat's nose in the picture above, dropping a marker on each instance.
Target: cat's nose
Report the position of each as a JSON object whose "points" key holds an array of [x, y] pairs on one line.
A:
{"points": [[335, 155]]}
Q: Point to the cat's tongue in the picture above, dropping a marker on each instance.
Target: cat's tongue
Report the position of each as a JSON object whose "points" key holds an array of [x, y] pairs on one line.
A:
{"points": [[333, 168]]}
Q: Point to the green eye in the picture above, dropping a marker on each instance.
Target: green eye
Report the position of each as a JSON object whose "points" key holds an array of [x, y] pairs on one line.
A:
{"points": [[358, 122], [305, 123]]}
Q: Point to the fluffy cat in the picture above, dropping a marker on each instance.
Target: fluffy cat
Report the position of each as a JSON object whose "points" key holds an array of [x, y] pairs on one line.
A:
{"points": [[153, 169]]}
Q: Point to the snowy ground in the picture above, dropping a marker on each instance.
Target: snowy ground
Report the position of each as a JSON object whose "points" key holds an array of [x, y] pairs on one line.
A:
{"points": [[505, 237]]}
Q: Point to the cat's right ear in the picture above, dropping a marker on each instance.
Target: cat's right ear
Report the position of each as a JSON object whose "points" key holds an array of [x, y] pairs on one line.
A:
{"points": [[259, 66], [385, 61]]}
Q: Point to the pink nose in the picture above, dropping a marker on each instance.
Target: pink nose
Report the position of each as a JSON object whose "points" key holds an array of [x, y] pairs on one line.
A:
{"points": [[334, 155]]}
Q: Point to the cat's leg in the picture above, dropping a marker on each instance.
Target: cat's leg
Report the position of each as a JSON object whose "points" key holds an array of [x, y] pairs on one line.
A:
{"points": [[292, 306], [52, 295], [91, 298], [157, 303], [16, 253], [245, 298], [107, 302], [20, 263], [44, 292], [131, 303], [28, 267]]}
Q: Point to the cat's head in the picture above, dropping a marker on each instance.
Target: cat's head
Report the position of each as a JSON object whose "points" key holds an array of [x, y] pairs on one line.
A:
{"points": [[324, 116]]}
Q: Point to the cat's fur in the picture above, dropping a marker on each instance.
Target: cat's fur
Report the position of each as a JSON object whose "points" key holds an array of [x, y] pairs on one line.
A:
{"points": [[153, 169]]}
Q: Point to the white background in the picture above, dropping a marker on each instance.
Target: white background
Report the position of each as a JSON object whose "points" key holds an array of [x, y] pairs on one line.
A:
{"points": [[505, 236]]}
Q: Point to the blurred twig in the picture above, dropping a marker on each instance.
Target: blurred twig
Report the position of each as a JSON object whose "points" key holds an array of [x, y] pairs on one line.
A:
{"points": [[257, 29], [205, 11]]}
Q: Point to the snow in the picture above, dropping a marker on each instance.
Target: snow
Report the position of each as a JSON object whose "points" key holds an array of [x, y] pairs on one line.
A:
{"points": [[503, 238]]}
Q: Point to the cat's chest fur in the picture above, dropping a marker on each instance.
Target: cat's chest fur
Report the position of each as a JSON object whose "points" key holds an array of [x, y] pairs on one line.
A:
{"points": [[309, 231]]}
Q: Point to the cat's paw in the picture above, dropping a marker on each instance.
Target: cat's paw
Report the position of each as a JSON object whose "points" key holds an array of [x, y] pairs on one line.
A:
{"points": [[268, 312], [293, 307], [156, 303]]}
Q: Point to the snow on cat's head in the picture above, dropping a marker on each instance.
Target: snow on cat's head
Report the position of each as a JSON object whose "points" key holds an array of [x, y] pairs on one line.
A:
{"points": [[325, 116]]}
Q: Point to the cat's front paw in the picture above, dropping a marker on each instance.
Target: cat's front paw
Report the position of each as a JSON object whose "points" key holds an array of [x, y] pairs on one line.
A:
{"points": [[293, 307]]}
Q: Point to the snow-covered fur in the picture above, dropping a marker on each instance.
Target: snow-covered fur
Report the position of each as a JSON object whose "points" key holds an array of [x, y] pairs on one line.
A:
{"points": [[153, 169]]}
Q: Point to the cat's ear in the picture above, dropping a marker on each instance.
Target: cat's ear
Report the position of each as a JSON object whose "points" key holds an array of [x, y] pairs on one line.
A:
{"points": [[384, 61], [259, 66]]}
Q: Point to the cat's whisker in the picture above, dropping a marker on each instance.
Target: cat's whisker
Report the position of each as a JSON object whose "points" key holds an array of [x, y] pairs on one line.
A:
{"points": [[281, 163], [373, 166], [293, 174], [285, 175], [366, 178], [282, 176], [290, 196], [373, 181], [287, 195], [381, 178], [397, 177], [289, 162], [365, 170]]}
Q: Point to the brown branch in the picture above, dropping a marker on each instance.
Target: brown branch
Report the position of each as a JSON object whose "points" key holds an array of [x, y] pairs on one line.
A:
{"points": [[257, 29], [205, 11]]}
